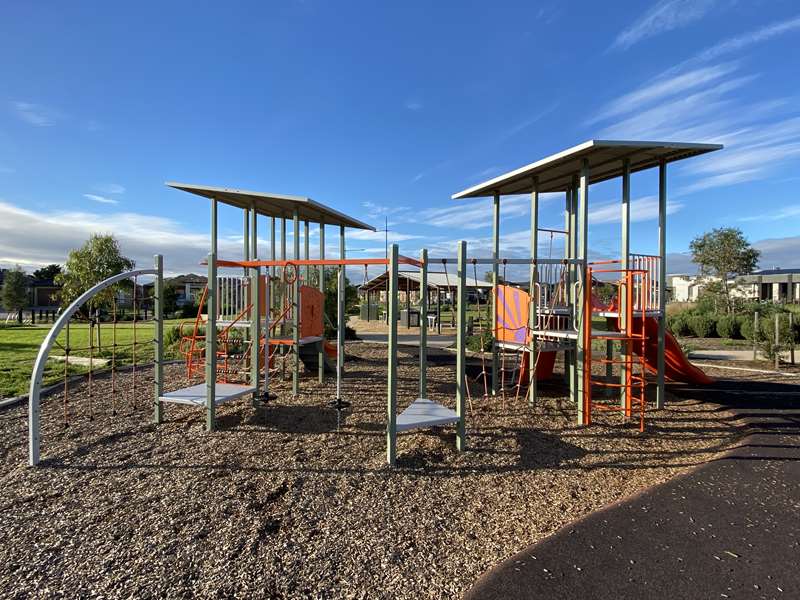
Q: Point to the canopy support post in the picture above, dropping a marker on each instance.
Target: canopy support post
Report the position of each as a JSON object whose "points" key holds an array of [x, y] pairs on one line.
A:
{"points": [[158, 341], [461, 348], [423, 325], [626, 252], [296, 306], [584, 320], [495, 273], [391, 376], [662, 278], [321, 281], [533, 300], [340, 316]]}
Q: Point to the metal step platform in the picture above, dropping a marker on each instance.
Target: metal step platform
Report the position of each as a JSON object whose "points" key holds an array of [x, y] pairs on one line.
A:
{"points": [[196, 395], [425, 413]]}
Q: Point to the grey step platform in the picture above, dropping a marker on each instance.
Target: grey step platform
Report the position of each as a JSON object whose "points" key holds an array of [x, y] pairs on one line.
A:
{"points": [[425, 413], [196, 394]]}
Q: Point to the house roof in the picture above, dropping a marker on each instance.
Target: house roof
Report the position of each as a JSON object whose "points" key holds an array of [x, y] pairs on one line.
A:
{"points": [[274, 205], [436, 280], [606, 161]]}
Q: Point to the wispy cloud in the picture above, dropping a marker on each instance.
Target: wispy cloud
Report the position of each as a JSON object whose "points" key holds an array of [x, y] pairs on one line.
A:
{"points": [[661, 88], [477, 214], [4, 170], [787, 212], [642, 209], [109, 188], [375, 210], [750, 38], [664, 16], [35, 114], [413, 105], [100, 199]]}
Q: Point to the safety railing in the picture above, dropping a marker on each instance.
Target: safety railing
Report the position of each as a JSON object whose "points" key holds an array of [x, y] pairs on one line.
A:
{"points": [[651, 264]]}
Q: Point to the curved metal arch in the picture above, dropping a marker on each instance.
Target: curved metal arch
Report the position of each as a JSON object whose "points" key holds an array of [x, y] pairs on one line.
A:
{"points": [[44, 353]]}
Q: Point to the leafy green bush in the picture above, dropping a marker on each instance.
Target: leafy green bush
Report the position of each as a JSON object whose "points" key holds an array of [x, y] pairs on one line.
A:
{"points": [[678, 323], [703, 325], [172, 335], [478, 343], [729, 326]]}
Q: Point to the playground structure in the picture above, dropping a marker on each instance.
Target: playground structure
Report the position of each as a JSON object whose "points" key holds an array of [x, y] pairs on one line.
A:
{"points": [[272, 315]]}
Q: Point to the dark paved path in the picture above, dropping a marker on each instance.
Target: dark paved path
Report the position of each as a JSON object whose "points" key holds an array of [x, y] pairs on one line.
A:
{"points": [[729, 529]]}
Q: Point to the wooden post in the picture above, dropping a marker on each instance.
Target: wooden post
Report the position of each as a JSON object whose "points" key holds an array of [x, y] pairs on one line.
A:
{"points": [[158, 340], [391, 376], [423, 326], [461, 349]]}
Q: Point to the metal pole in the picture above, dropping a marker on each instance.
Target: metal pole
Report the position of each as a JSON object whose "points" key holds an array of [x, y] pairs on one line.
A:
{"points": [[391, 377], [423, 326], [307, 269], [495, 273], [461, 349], [533, 300], [568, 255], [662, 279], [584, 320], [211, 338], [791, 334], [321, 353], [271, 270], [340, 316], [625, 250], [755, 335], [777, 341], [255, 329], [296, 306], [158, 340]]}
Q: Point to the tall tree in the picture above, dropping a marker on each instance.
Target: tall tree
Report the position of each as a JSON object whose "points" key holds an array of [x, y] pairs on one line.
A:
{"points": [[14, 293], [724, 252], [47, 273], [98, 259]]}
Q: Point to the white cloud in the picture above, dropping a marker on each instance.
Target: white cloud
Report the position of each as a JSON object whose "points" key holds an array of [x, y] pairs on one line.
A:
{"points": [[101, 199], [35, 114], [786, 212], [750, 38], [642, 209], [665, 16], [7, 170], [413, 105], [660, 88], [109, 188], [140, 236]]}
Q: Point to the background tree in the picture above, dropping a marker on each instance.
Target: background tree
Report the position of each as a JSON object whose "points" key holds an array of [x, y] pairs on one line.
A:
{"points": [[724, 252], [14, 293], [47, 273], [98, 259], [170, 299]]}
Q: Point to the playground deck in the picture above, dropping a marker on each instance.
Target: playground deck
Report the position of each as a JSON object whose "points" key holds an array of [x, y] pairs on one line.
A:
{"points": [[280, 503]]}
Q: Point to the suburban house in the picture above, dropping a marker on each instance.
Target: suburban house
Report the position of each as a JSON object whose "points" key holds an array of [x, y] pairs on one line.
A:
{"points": [[766, 285]]}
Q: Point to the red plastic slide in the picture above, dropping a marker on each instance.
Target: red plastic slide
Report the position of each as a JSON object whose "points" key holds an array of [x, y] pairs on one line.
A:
{"points": [[676, 366]]}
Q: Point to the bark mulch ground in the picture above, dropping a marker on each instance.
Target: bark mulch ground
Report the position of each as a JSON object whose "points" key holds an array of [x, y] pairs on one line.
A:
{"points": [[278, 503]]}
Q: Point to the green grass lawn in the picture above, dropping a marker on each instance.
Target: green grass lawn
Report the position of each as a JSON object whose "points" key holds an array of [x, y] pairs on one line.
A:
{"points": [[20, 345]]}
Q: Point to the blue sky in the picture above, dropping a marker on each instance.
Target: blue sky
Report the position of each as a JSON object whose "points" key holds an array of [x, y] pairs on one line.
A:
{"points": [[387, 109]]}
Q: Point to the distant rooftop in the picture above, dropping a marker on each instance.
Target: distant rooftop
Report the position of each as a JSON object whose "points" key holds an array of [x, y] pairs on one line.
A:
{"points": [[776, 271], [606, 159], [274, 205]]}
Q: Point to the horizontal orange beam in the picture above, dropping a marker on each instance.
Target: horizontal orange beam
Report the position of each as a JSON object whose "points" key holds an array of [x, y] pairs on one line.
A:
{"points": [[333, 262]]}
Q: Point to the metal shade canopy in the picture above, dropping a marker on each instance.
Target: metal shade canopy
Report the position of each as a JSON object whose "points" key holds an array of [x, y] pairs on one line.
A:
{"points": [[606, 159], [274, 205]]}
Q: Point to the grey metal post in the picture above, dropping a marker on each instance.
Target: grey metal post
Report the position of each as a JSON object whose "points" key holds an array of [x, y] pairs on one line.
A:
{"points": [[255, 330], [340, 321], [211, 341], [296, 307], [321, 353], [158, 341], [584, 320], [423, 326], [391, 377], [534, 277], [461, 349], [662, 279], [495, 273], [755, 335], [568, 255], [625, 250], [271, 270], [246, 235], [307, 268]]}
